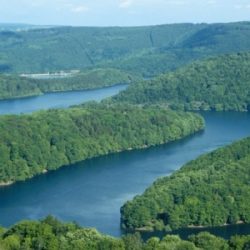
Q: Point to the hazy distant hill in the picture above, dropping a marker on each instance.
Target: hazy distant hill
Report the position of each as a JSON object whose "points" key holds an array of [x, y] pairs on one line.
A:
{"points": [[21, 26], [143, 50]]}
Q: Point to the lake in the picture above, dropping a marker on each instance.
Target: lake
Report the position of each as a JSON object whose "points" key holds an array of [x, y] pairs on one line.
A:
{"points": [[57, 100], [92, 192]]}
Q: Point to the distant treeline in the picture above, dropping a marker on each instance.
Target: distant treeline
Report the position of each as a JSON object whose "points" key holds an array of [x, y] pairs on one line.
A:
{"points": [[219, 83], [13, 86], [212, 190], [47, 140], [51, 234]]}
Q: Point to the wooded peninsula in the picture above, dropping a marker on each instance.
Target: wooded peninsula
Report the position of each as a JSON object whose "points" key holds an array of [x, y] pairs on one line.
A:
{"points": [[212, 190], [46, 140]]}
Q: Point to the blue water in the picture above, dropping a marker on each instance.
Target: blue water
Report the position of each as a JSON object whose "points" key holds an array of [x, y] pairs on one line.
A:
{"points": [[93, 191], [57, 100]]}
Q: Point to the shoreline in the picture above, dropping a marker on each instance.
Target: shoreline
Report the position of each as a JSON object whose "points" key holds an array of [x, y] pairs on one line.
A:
{"points": [[139, 147], [5, 184], [223, 225], [151, 230], [11, 98]]}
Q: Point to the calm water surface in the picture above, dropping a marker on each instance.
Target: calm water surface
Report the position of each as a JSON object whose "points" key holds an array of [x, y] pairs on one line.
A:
{"points": [[93, 191], [57, 100]]}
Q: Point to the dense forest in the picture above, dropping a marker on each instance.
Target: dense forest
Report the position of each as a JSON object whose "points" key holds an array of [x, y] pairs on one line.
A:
{"points": [[47, 140], [219, 83], [12, 86], [143, 50], [212, 190], [52, 234]]}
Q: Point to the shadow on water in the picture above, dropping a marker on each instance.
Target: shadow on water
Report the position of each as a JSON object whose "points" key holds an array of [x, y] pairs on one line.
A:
{"points": [[225, 231]]}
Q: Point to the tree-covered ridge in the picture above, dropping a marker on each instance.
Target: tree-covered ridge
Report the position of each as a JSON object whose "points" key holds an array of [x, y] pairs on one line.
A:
{"points": [[12, 86], [220, 83], [51, 234], [64, 48], [47, 140], [210, 191], [161, 47], [205, 41], [153, 62]]}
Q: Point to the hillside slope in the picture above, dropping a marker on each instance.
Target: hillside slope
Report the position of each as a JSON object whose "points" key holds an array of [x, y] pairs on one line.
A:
{"points": [[218, 83], [79, 47], [146, 50]]}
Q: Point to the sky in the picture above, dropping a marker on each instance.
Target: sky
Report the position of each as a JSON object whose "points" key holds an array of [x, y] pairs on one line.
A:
{"points": [[122, 12]]}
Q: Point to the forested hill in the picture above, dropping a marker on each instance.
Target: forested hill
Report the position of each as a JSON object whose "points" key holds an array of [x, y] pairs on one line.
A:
{"points": [[78, 47], [47, 140], [219, 83], [52, 234], [13, 86], [146, 50], [210, 191]]}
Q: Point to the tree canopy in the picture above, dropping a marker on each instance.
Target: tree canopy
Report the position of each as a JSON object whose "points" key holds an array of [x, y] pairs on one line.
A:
{"points": [[51, 234]]}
